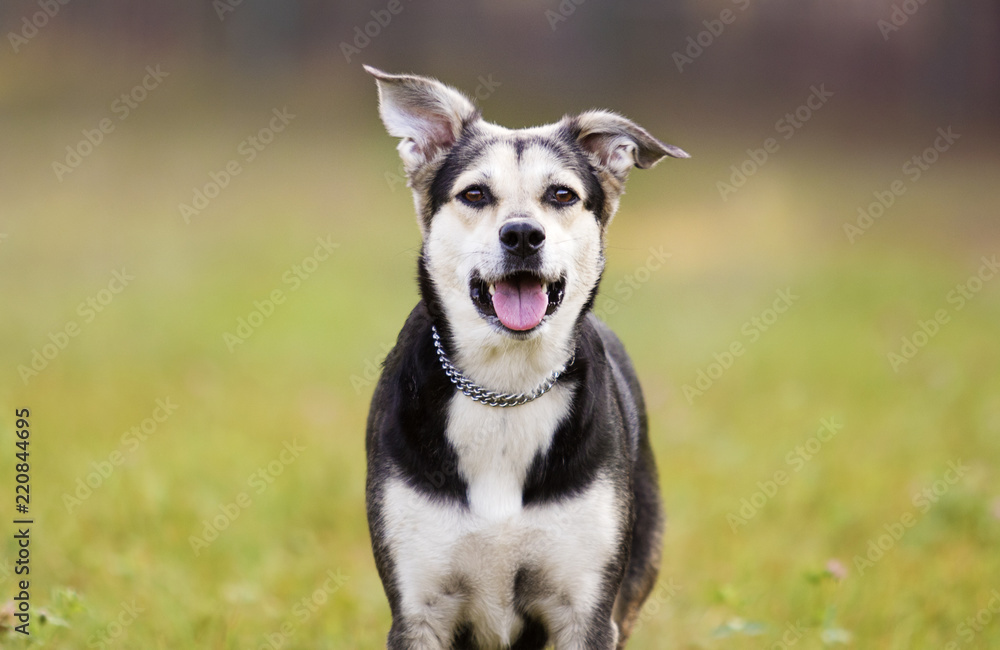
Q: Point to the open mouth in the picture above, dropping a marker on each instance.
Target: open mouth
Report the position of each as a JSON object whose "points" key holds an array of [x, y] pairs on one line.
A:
{"points": [[519, 301]]}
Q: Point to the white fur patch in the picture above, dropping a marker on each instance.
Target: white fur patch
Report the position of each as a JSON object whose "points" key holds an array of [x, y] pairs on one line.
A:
{"points": [[495, 446], [454, 565]]}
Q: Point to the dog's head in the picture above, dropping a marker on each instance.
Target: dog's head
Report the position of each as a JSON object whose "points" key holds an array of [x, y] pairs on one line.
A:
{"points": [[513, 221]]}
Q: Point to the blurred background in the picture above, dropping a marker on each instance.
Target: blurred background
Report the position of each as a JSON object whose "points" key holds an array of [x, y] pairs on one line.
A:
{"points": [[207, 248]]}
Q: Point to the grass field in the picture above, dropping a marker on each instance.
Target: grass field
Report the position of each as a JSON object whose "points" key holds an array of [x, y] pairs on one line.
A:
{"points": [[802, 454]]}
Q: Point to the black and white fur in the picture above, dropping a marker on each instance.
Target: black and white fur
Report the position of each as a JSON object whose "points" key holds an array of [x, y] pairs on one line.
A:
{"points": [[537, 524]]}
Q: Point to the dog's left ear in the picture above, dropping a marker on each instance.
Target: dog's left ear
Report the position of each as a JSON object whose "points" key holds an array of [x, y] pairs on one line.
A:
{"points": [[428, 115], [618, 144]]}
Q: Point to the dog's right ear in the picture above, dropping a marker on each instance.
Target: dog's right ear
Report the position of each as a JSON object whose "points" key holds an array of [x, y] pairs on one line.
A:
{"points": [[619, 144], [428, 115]]}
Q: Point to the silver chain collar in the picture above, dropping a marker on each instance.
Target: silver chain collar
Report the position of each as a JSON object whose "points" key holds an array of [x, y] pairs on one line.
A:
{"points": [[484, 395]]}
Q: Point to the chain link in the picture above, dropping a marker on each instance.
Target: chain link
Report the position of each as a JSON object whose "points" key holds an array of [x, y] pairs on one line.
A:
{"points": [[484, 395]]}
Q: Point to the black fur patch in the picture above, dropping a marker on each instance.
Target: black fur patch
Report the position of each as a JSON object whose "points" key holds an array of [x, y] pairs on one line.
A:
{"points": [[469, 147], [464, 639], [429, 295], [408, 415], [519, 146], [533, 636], [596, 200], [585, 441]]}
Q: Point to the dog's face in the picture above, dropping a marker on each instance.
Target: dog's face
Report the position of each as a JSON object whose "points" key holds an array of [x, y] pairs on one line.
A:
{"points": [[513, 221], [514, 242]]}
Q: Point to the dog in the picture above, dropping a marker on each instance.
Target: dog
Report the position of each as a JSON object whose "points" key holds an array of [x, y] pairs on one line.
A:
{"points": [[512, 494]]}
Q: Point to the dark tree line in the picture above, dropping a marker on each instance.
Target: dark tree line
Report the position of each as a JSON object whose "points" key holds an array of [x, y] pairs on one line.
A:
{"points": [[928, 55]]}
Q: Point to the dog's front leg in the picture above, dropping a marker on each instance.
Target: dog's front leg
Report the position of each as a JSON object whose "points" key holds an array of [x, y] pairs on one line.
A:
{"points": [[575, 630], [429, 627], [406, 636], [596, 636]]}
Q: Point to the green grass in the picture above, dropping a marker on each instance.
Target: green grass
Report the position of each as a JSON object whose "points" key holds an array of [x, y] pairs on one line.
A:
{"points": [[301, 377]]}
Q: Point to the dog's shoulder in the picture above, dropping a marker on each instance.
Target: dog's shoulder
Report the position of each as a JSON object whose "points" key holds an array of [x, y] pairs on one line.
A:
{"points": [[407, 420], [408, 366], [626, 381]]}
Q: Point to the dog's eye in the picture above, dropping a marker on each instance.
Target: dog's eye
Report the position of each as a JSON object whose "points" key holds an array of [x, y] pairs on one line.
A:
{"points": [[563, 196], [476, 196]]}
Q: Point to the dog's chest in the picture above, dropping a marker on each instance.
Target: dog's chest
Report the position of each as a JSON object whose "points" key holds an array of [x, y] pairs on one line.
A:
{"points": [[496, 446], [454, 566], [467, 561]]}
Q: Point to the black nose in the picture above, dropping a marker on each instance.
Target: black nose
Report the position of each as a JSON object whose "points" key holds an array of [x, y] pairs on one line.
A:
{"points": [[523, 237]]}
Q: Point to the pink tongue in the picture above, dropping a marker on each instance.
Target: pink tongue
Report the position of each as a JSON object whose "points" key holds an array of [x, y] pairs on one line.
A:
{"points": [[520, 303]]}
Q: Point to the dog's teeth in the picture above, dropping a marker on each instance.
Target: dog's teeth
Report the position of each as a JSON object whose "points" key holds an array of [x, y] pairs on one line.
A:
{"points": [[493, 289], [545, 287]]}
